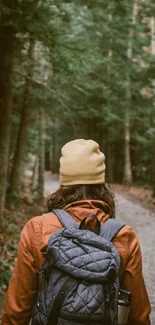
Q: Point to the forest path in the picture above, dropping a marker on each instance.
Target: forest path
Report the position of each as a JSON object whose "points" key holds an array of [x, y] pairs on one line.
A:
{"points": [[142, 220]]}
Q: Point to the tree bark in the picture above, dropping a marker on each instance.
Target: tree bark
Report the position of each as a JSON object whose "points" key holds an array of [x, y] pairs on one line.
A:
{"points": [[127, 159], [53, 151], [152, 25], [109, 163], [19, 151], [128, 179], [34, 180], [41, 158], [7, 44], [109, 152]]}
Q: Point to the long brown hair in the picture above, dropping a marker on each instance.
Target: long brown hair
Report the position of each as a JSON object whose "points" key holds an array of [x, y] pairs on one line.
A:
{"points": [[69, 194]]}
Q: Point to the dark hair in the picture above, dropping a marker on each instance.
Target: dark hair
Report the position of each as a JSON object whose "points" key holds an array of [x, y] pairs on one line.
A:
{"points": [[69, 194]]}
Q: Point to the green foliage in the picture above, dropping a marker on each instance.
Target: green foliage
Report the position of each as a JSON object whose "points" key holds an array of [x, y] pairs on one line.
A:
{"points": [[81, 62], [91, 67], [5, 274]]}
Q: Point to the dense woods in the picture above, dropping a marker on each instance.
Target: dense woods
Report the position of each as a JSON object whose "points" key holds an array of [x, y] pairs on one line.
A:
{"points": [[72, 69], [76, 69]]}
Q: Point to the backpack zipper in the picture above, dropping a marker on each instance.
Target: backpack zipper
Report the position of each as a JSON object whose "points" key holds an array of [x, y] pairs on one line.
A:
{"points": [[81, 243]]}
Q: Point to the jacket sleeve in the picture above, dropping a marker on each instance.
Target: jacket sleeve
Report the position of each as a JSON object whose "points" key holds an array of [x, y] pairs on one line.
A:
{"points": [[134, 282], [23, 286]]}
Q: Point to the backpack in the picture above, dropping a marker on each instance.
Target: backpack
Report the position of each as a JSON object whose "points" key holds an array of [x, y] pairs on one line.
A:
{"points": [[80, 276]]}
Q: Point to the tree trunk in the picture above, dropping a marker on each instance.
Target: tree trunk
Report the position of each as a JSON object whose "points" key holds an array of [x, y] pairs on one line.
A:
{"points": [[109, 163], [92, 129], [118, 156], [127, 159], [109, 153], [7, 43], [19, 151], [34, 181], [41, 158], [152, 25], [53, 151], [50, 157]]}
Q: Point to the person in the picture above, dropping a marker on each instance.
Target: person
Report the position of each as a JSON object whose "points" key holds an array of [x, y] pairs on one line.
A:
{"points": [[82, 191]]}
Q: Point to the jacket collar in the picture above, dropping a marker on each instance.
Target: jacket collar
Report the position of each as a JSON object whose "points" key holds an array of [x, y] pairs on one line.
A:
{"points": [[81, 209]]}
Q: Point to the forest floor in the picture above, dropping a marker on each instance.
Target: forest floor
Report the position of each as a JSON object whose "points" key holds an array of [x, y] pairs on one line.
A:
{"points": [[134, 206]]}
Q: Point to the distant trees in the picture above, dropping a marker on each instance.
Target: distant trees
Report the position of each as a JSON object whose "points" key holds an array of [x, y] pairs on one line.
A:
{"points": [[110, 97], [76, 69], [21, 25]]}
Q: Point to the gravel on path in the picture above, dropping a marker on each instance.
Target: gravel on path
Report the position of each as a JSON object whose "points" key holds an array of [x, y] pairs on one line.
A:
{"points": [[142, 221]]}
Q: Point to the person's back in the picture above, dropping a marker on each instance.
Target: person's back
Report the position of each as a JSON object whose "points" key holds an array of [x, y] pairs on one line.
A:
{"points": [[83, 191]]}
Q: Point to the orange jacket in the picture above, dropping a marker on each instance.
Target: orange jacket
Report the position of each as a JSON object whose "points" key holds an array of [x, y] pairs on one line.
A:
{"points": [[23, 286]]}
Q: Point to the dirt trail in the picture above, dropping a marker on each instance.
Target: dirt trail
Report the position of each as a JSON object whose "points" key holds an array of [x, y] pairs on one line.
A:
{"points": [[142, 221]]}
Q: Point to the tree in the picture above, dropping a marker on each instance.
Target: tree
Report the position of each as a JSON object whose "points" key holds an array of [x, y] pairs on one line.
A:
{"points": [[41, 155], [127, 158], [7, 32], [18, 156]]}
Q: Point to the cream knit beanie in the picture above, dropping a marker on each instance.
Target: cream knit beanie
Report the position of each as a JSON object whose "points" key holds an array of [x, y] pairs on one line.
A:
{"points": [[82, 163]]}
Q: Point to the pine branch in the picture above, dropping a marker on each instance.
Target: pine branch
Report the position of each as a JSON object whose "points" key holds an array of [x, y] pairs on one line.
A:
{"points": [[36, 83], [81, 90]]}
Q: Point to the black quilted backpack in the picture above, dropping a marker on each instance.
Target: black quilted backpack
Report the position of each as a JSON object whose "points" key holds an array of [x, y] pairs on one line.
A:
{"points": [[80, 276]]}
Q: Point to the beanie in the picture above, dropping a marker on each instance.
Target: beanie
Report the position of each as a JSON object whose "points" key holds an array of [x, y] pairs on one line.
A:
{"points": [[82, 163]]}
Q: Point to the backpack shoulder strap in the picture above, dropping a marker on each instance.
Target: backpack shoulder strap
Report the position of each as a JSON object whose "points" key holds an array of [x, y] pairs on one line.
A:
{"points": [[110, 229], [65, 218]]}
